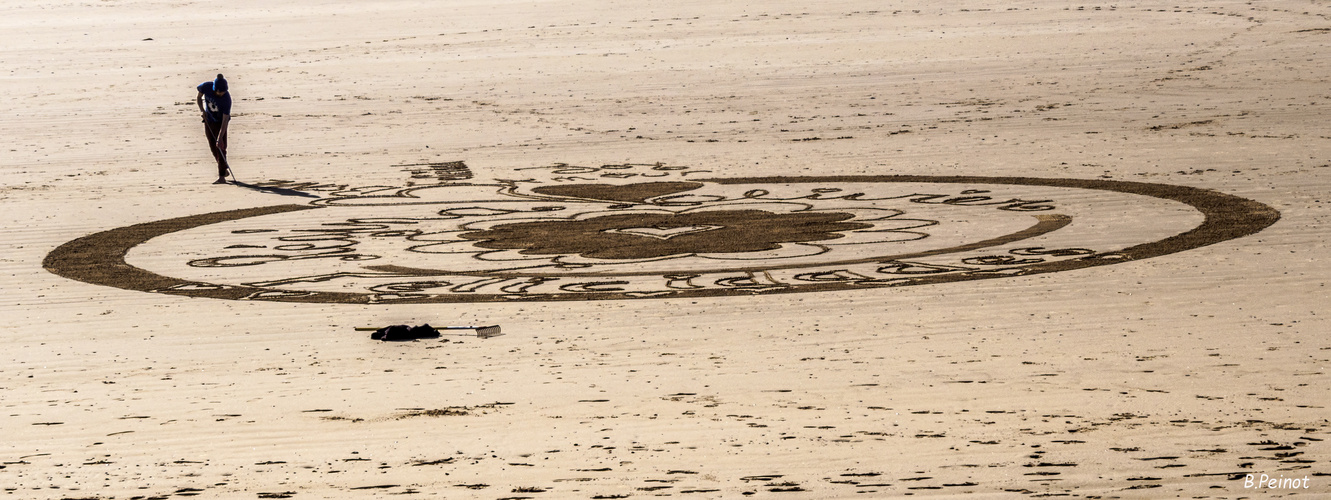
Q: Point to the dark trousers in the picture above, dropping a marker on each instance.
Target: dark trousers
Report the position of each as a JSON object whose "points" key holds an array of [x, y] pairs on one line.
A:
{"points": [[219, 153]]}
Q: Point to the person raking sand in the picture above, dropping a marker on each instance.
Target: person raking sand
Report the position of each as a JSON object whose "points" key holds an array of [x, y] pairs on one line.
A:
{"points": [[215, 104]]}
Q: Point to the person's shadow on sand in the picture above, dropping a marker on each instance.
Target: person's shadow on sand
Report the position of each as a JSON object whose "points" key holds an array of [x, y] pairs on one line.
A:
{"points": [[275, 190]]}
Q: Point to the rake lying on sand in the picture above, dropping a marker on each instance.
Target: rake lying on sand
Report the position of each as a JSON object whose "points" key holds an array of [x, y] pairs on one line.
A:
{"points": [[484, 332]]}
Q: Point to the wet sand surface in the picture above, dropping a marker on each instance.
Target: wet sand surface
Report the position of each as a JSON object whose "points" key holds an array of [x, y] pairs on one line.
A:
{"points": [[165, 337]]}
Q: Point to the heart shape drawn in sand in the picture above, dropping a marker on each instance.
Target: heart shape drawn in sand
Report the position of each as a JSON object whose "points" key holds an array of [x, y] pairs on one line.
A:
{"points": [[663, 233]]}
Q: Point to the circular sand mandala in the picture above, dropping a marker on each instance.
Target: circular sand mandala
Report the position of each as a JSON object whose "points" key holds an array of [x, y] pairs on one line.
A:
{"points": [[650, 231]]}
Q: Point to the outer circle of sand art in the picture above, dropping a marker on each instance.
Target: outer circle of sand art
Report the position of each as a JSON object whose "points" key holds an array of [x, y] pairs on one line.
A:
{"points": [[573, 246]]}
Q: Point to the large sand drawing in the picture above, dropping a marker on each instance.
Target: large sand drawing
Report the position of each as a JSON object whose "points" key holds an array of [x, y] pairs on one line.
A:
{"points": [[650, 231]]}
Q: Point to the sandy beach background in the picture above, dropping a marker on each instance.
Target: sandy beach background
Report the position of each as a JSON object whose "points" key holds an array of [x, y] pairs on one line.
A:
{"points": [[1174, 376]]}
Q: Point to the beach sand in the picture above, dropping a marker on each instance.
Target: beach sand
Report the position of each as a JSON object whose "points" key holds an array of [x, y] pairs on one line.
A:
{"points": [[1192, 373]]}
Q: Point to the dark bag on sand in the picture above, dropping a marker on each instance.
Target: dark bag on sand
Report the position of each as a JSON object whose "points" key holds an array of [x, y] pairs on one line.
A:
{"points": [[404, 332]]}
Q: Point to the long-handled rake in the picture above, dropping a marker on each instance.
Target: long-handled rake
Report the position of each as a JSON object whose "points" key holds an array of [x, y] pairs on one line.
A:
{"points": [[228, 166], [484, 332]]}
